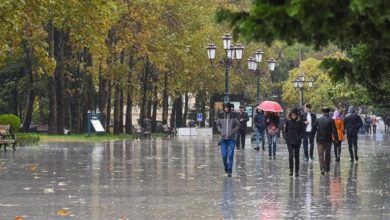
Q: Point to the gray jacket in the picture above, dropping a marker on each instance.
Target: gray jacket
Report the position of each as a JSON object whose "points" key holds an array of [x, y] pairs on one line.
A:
{"points": [[227, 125]]}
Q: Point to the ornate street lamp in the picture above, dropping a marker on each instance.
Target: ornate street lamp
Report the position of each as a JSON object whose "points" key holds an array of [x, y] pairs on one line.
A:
{"points": [[299, 83], [231, 53], [254, 65]]}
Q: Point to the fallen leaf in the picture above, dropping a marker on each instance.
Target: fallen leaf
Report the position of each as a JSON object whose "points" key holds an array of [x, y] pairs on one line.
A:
{"points": [[63, 212], [18, 218]]}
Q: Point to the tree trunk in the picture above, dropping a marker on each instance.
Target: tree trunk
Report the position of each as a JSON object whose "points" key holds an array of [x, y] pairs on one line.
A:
{"points": [[52, 88], [154, 111], [144, 94], [108, 110], [52, 106], [121, 103], [185, 116], [116, 108], [165, 100], [102, 97], [211, 113], [179, 112], [31, 93], [173, 116], [59, 76], [14, 101], [129, 100]]}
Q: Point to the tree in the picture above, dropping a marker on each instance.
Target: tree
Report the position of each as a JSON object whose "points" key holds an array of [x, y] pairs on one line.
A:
{"points": [[324, 92], [360, 28]]}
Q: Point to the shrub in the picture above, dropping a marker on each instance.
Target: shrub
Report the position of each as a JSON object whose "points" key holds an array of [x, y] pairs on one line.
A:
{"points": [[10, 119], [27, 138]]}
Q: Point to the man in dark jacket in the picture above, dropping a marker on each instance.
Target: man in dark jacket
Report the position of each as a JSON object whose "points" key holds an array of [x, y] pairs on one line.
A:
{"points": [[259, 122], [352, 122], [309, 118], [243, 118], [326, 133], [227, 125]]}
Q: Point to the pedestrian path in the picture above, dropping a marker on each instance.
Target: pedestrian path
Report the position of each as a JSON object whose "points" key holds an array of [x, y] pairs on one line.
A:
{"points": [[183, 178]]}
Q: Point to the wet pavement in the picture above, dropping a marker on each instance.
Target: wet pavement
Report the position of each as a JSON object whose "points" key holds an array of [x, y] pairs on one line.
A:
{"points": [[183, 178]]}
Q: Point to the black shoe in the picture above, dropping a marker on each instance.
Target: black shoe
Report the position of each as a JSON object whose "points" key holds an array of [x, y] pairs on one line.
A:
{"points": [[296, 174], [322, 171], [291, 173], [352, 160], [229, 175], [270, 158], [311, 158], [356, 157], [257, 148], [338, 159], [274, 158]]}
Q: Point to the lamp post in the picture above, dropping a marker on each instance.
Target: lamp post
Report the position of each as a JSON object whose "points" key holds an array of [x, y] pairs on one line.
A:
{"points": [[254, 65], [299, 83], [231, 53]]}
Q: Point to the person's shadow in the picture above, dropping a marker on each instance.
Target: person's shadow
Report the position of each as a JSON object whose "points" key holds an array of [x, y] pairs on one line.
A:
{"points": [[352, 198], [228, 201]]}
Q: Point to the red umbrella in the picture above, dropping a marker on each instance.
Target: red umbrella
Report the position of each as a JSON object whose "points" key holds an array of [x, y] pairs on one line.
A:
{"points": [[270, 106]]}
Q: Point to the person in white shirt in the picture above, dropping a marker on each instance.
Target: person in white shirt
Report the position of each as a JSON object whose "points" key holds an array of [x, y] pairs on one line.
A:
{"points": [[309, 118]]}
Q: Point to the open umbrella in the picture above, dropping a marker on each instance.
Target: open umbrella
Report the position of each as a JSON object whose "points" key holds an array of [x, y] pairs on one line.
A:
{"points": [[270, 106]]}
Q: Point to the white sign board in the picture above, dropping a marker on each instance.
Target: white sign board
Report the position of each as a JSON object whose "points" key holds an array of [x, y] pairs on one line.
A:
{"points": [[97, 125]]}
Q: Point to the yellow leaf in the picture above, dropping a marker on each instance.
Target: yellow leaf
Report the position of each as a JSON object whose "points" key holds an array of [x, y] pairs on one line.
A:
{"points": [[63, 212], [18, 218]]}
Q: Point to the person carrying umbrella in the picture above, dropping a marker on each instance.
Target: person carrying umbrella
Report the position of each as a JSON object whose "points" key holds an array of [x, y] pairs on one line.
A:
{"points": [[272, 121], [227, 125]]}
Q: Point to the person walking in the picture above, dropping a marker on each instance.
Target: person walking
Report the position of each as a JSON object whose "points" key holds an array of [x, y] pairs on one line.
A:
{"points": [[260, 128], [243, 118], [325, 130], [374, 122], [294, 131], [272, 123], [309, 118], [339, 122], [352, 124], [227, 125], [387, 124], [367, 124]]}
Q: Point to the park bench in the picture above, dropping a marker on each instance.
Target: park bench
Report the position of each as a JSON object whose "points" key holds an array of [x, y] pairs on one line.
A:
{"points": [[43, 128], [138, 132], [7, 138], [167, 131]]}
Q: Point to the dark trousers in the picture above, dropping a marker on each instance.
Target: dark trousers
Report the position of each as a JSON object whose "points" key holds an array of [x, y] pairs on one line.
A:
{"points": [[337, 149], [324, 155], [308, 138], [293, 153], [352, 145], [241, 138], [374, 129]]}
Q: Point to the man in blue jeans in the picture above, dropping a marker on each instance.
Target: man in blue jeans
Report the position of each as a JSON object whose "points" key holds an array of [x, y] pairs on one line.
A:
{"points": [[309, 118], [227, 125]]}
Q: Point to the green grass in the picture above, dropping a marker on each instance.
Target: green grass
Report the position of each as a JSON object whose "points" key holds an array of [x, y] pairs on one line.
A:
{"points": [[28, 138], [88, 138]]}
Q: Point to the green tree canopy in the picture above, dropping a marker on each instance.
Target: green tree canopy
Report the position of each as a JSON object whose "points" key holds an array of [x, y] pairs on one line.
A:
{"points": [[360, 28]]}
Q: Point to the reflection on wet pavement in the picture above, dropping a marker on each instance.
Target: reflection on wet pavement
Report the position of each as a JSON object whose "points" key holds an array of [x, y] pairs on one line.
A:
{"points": [[183, 179]]}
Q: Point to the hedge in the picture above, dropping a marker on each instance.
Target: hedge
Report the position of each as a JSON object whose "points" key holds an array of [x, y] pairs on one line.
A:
{"points": [[11, 119]]}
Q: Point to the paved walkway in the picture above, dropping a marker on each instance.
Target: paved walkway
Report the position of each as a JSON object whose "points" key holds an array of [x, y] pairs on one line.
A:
{"points": [[184, 179]]}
